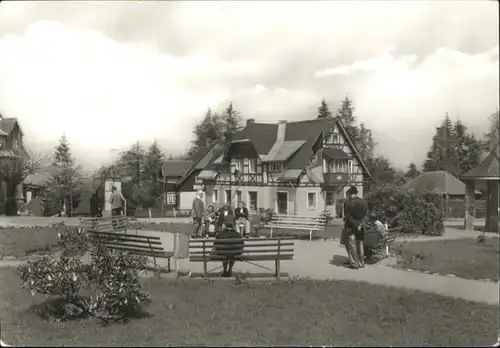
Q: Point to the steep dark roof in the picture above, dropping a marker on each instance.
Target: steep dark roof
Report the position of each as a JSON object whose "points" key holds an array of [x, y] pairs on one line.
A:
{"points": [[262, 135], [309, 131], [202, 159], [173, 168], [8, 124], [487, 168], [439, 180]]}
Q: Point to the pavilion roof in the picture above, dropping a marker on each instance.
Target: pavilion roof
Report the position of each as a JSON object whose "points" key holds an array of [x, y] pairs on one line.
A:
{"points": [[488, 168]]}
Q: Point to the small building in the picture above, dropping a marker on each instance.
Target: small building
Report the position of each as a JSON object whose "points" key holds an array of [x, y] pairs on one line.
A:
{"points": [[440, 181], [301, 168], [172, 171], [488, 171]]}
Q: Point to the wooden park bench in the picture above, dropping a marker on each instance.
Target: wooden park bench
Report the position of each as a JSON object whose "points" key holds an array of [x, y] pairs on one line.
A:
{"points": [[254, 249], [119, 237], [385, 242], [112, 223], [149, 246], [311, 224]]}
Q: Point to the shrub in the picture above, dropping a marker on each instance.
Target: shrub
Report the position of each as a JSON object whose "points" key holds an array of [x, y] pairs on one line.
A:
{"points": [[327, 215], [111, 277], [413, 211]]}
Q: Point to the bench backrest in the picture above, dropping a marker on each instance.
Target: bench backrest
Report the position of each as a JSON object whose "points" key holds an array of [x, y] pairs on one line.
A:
{"points": [[108, 224], [298, 220], [126, 242], [274, 248]]}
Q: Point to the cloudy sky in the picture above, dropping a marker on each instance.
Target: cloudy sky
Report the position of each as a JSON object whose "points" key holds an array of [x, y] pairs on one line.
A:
{"points": [[110, 73]]}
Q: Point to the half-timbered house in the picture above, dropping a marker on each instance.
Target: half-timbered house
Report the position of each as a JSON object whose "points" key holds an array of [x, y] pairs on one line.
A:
{"points": [[299, 168]]}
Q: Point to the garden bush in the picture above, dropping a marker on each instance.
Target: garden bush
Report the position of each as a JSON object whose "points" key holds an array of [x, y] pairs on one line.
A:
{"points": [[412, 211], [107, 288]]}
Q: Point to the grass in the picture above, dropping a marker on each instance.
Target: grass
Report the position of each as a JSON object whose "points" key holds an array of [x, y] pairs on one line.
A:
{"points": [[22, 241], [201, 313], [464, 258]]}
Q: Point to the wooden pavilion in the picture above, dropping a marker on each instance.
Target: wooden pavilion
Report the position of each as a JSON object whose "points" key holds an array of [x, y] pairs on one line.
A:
{"points": [[487, 170]]}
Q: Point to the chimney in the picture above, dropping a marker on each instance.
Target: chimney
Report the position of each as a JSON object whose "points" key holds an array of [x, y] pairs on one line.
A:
{"points": [[208, 142], [250, 121], [280, 138]]}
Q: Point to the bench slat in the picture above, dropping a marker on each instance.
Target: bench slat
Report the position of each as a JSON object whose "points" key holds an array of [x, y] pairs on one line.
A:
{"points": [[124, 235], [242, 258], [230, 252], [139, 246], [247, 245], [292, 227], [162, 254], [103, 239], [267, 240]]}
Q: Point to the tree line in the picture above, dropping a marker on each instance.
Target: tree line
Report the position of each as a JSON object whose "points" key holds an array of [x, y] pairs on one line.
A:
{"points": [[454, 149]]}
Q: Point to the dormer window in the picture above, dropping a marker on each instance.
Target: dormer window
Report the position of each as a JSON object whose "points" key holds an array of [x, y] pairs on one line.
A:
{"points": [[275, 167]]}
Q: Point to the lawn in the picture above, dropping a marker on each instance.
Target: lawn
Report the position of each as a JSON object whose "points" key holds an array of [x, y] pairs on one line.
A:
{"points": [[199, 312], [464, 258], [22, 241]]}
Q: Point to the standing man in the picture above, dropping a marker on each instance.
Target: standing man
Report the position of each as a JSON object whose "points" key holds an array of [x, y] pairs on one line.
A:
{"points": [[241, 217], [197, 213], [116, 201], [355, 212]]}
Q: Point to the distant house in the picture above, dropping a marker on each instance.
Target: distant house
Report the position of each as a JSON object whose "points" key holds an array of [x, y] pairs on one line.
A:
{"points": [[11, 149], [299, 168], [172, 171]]}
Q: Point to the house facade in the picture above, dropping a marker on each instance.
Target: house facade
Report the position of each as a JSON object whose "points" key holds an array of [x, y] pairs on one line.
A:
{"points": [[11, 149], [301, 168]]}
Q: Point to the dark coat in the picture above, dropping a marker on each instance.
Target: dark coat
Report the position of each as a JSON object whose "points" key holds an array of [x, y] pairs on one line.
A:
{"points": [[198, 208], [235, 245]]}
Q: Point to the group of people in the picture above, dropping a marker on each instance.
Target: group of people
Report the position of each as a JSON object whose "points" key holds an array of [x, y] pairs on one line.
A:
{"points": [[357, 223], [203, 219], [228, 244]]}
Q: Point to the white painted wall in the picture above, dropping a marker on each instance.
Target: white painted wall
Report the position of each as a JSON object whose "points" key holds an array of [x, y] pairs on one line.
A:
{"points": [[186, 200]]}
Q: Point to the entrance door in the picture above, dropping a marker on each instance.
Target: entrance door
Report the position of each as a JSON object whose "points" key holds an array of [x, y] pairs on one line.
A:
{"points": [[282, 202]]}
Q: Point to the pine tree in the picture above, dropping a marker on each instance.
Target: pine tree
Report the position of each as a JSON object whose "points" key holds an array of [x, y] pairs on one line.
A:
{"points": [[346, 116], [211, 127], [492, 137], [324, 110], [231, 120], [152, 171], [468, 148], [64, 186], [442, 154], [131, 164], [365, 142]]}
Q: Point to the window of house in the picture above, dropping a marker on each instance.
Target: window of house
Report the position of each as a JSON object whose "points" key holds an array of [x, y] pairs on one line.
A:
{"points": [[252, 165], [252, 200], [336, 138], [338, 166], [329, 198], [238, 196], [238, 165], [275, 167], [216, 195], [227, 197], [311, 200]]}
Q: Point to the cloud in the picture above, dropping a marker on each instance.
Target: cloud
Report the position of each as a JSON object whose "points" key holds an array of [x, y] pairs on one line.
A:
{"points": [[111, 73]]}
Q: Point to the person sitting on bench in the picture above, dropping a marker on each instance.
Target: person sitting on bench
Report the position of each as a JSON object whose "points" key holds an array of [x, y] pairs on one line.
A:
{"points": [[241, 217], [228, 249], [375, 233], [225, 212]]}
